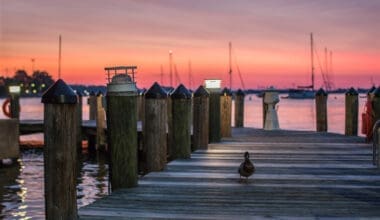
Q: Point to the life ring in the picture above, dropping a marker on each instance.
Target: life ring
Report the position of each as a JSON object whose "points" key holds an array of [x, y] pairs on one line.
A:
{"points": [[6, 108]]}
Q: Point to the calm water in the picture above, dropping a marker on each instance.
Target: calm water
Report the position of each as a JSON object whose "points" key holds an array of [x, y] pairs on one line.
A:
{"points": [[21, 185]]}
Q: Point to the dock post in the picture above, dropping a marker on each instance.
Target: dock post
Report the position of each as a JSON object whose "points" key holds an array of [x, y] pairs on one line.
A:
{"points": [[225, 112], [265, 109], [155, 140], [169, 121], [60, 152], [239, 108], [201, 118], [376, 105], [352, 108], [214, 115], [79, 120], [321, 110], [91, 101], [122, 131], [14, 92], [141, 106], [100, 119], [180, 137]]}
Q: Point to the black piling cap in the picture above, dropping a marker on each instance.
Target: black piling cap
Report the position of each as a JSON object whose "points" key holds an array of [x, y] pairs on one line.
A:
{"points": [[92, 93], [181, 93], [351, 92], [377, 92], [59, 93], [99, 93], [156, 92], [79, 93], [201, 92], [321, 92], [226, 92], [240, 93], [141, 91], [373, 88]]}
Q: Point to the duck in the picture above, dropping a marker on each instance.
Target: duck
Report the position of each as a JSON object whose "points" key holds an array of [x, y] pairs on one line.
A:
{"points": [[246, 168]]}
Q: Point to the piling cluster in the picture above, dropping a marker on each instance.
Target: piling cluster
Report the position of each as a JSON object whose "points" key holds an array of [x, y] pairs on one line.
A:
{"points": [[174, 122]]}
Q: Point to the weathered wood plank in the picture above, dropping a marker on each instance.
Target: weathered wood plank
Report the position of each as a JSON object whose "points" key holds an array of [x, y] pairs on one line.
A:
{"points": [[315, 175]]}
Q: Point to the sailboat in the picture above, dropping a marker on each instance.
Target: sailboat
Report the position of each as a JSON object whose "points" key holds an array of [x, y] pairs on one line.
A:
{"points": [[305, 92]]}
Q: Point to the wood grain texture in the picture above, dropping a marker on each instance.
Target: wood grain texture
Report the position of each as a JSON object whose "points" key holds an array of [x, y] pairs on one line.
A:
{"points": [[122, 140], [60, 159], [321, 111], [225, 115], [351, 115], [239, 111], [299, 174], [155, 140], [180, 136], [214, 118], [201, 122]]}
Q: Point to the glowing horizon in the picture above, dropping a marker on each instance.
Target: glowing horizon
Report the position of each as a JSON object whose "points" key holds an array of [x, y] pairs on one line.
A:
{"points": [[270, 39]]}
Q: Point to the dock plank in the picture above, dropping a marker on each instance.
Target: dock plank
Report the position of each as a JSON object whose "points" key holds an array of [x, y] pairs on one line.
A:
{"points": [[299, 175]]}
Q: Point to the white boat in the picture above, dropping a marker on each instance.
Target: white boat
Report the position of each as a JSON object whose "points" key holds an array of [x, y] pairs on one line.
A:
{"points": [[305, 92]]}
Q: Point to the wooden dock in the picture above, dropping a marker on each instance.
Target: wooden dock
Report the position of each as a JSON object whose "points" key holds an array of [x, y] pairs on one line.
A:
{"points": [[298, 175]]}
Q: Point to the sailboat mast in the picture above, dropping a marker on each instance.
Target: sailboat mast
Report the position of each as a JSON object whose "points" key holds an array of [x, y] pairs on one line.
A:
{"points": [[162, 75], [312, 59], [170, 67], [59, 57], [190, 74], [230, 63]]}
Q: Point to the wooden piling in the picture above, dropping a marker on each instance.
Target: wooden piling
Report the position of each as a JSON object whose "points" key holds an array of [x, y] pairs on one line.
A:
{"points": [[265, 109], [100, 123], [141, 106], [180, 137], [352, 108], [79, 120], [201, 118], [214, 116], [321, 110], [122, 131], [155, 140], [169, 121], [60, 153], [15, 106], [239, 108], [376, 105], [91, 101], [225, 112]]}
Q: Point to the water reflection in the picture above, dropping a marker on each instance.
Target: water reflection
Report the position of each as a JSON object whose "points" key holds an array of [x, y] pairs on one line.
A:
{"points": [[22, 185]]}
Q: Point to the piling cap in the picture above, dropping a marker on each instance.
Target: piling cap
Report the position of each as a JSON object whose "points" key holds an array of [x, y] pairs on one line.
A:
{"points": [[122, 84], [156, 92], [373, 88], [240, 93], [99, 93], [92, 93], [181, 93], [376, 93], [59, 93], [351, 92], [79, 93], [141, 91], [226, 92], [321, 92], [201, 92]]}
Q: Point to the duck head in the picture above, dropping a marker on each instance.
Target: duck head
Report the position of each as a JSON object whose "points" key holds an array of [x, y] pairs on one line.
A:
{"points": [[246, 155]]}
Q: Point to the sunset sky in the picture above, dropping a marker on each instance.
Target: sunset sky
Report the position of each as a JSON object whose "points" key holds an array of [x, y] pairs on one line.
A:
{"points": [[270, 39]]}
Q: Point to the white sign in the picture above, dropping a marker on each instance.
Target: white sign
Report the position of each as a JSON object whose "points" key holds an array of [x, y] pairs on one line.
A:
{"points": [[14, 89], [213, 83]]}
